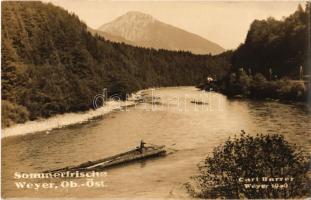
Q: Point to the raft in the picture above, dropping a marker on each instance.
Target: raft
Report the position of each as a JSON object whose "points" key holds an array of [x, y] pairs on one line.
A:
{"points": [[132, 155]]}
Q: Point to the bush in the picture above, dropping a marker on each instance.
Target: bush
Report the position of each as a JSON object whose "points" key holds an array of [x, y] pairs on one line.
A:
{"points": [[299, 90], [238, 83], [12, 113], [244, 82], [287, 89], [251, 157]]}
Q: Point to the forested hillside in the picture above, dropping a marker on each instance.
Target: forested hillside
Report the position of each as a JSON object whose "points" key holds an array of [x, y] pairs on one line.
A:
{"points": [[281, 45], [273, 62], [51, 64]]}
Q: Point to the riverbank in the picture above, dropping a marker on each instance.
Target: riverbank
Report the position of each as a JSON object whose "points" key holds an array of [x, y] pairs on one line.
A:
{"points": [[67, 119], [258, 87]]}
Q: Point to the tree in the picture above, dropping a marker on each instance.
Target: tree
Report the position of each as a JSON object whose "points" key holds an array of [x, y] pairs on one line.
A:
{"points": [[250, 157]]}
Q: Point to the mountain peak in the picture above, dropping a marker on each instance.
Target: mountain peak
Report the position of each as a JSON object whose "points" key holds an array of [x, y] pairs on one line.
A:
{"points": [[144, 30], [137, 14], [130, 25], [137, 17]]}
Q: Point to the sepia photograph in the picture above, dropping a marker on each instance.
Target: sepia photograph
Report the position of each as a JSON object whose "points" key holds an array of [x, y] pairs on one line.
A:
{"points": [[155, 99]]}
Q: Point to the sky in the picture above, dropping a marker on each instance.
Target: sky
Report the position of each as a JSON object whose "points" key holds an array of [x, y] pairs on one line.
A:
{"points": [[223, 22]]}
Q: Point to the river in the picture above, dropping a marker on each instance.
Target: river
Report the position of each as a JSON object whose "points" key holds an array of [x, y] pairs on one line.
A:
{"points": [[189, 130]]}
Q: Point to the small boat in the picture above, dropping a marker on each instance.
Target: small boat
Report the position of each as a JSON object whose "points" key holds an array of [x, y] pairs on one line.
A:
{"points": [[132, 155], [199, 102]]}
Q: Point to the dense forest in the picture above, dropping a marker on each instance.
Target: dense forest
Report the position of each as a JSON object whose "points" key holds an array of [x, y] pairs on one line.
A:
{"points": [[52, 64], [279, 46], [273, 62]]}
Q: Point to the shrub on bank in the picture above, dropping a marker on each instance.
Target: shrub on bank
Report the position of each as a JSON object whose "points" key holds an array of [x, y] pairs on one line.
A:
{"points": [[225, 173], [12, 113], [291, 90]]}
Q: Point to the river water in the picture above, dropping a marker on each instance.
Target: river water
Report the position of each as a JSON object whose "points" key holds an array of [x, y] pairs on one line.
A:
{"points": [[189, 130]]}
